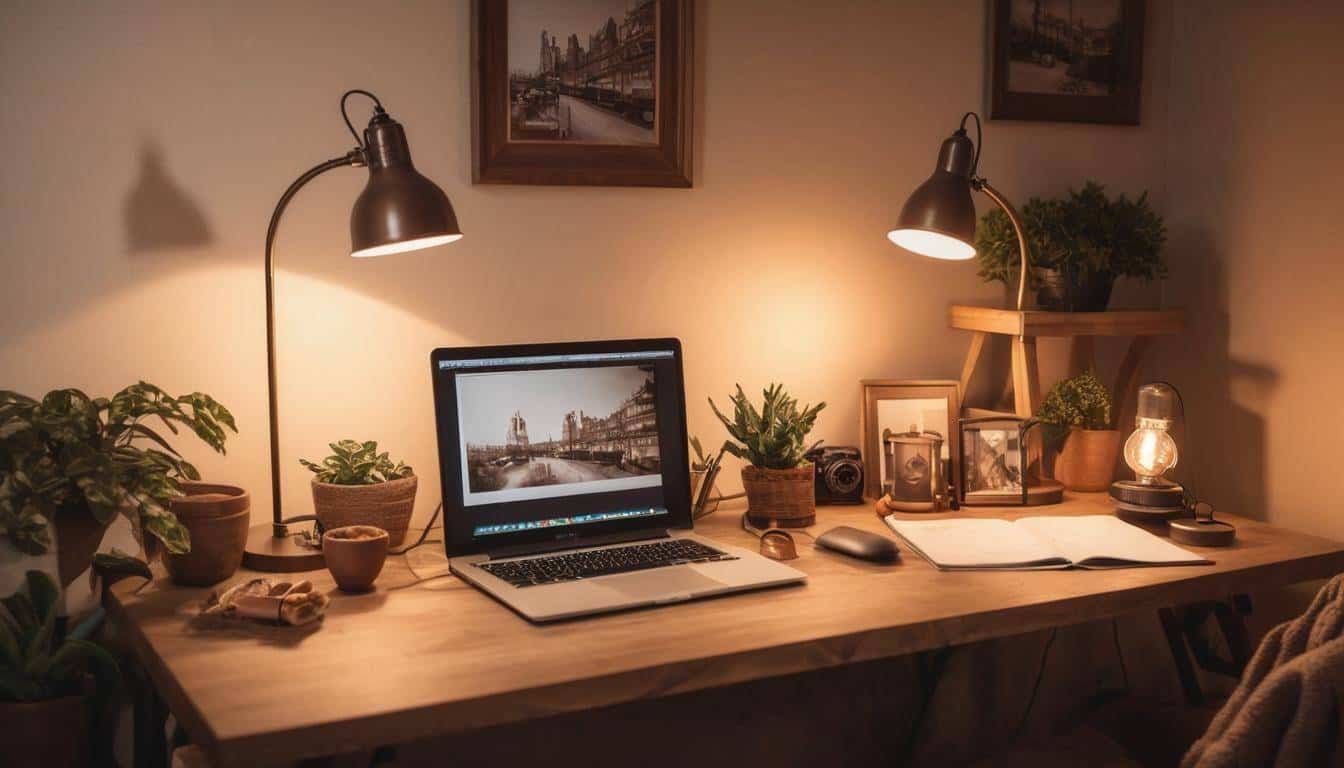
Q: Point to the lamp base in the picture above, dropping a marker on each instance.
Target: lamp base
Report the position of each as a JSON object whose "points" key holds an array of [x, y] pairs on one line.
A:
{"points": [[267, 552], [1162, 495]]}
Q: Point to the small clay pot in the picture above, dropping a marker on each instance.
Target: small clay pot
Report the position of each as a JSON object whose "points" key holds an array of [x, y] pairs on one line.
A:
{"points": [[355, 555], [217, 517]]}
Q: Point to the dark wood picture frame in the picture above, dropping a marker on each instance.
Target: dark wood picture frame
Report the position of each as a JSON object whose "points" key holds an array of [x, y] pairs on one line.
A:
{"points": [[870, 431], [496, 160], [1120, 107]]}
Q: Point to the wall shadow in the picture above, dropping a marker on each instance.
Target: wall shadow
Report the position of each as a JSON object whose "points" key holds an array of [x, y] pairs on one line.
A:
{"points": [[160, 217], [1224, 450]]}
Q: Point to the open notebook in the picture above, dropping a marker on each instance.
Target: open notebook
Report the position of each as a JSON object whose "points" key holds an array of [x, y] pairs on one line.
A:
{"points": [[1033, 543]]}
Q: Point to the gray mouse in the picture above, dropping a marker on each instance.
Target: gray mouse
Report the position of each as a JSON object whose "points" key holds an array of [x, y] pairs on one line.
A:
{"points": [[851, 541]]}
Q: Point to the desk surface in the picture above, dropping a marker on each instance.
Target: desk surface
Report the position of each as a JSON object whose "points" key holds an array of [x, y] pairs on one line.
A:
{"points": [[415, 659]]}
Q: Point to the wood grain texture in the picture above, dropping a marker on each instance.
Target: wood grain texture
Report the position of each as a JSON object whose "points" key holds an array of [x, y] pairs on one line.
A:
{"points": [[1041, 323], [416, 659]]}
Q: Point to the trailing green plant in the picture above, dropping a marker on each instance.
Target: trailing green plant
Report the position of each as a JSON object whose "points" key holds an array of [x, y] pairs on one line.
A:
{"points": [[773, 437], [41, 658], [1082, 401], [354, 463], [1086, 233], [72, 454]]}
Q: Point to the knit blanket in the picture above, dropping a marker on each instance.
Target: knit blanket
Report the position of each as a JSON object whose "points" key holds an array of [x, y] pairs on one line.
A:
{"points": [[1287, 709]]}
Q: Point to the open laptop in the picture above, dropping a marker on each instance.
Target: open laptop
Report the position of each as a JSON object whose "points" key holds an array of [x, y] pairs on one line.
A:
{"points": [[566, 484]]}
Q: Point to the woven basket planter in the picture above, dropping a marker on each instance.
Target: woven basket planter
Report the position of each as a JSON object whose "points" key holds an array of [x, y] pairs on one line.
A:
{"points": [[780, 498], [382, 505]]}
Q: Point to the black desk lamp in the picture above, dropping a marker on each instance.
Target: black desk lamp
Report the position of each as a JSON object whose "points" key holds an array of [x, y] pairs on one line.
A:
{"points": [[399, 210], [939, 218]]}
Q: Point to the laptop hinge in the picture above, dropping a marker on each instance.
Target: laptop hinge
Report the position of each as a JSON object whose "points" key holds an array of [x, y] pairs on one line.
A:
{"points": [[536, 548]]}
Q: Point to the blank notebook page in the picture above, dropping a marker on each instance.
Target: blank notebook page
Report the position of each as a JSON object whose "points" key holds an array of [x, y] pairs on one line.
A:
{"points": [[1101, 540], [969, 543]]}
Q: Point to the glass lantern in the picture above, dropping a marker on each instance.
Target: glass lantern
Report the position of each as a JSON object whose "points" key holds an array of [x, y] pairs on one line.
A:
{"points": [[1151, 451]]}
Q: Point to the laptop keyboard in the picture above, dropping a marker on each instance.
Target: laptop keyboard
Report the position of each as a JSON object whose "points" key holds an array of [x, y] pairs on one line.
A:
{"points": [[603, 562]]}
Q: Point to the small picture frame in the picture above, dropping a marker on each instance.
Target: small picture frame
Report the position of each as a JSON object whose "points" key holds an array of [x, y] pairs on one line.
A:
{"points": [[994, 461], [1063, 61], [900, 405]]}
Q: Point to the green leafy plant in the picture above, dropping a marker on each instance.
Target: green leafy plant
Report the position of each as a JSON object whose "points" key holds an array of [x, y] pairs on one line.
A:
{"points": [[1085, 233], [354, 463], [70, 453], [1081, 401], [42, 659], [773, 437]]}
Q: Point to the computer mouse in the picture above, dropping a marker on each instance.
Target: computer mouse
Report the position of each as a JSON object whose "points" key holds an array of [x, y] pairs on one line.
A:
{"points": [[851, 541]]}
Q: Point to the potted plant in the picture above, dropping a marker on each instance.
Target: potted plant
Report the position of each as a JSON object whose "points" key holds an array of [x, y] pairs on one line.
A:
{"points": [[356, 485], [1076, 418], [55, 683], [1079, 245], [779, 482], [71, 463]]}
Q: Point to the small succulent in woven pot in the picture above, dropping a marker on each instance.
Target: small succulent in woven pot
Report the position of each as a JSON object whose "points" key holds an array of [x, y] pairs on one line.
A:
{"points": [[357, 485], [779, 482]]}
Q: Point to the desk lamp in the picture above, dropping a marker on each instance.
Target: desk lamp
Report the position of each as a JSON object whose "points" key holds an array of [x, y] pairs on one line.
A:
{"points": [[939, 218], [398, 211]]}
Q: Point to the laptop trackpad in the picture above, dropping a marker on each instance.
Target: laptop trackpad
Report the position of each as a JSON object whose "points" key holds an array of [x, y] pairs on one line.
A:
{"points": [[658, 581]]}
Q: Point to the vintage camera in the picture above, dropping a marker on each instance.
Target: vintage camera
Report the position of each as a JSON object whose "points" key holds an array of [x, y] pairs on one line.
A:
{"points": [[839, 477]]}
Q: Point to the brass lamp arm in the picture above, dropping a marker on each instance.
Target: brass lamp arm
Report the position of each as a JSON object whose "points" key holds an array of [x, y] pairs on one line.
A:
{"points": [[1001, 201], [354, 157]]}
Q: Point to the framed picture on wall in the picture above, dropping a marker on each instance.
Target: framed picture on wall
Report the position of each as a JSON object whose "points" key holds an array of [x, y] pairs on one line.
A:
{"points": [[902, 405], [582, 92], [1066, 60]]}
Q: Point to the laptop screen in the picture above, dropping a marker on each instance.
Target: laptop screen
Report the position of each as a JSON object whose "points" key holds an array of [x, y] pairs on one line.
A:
{"points": [[560, 442]]}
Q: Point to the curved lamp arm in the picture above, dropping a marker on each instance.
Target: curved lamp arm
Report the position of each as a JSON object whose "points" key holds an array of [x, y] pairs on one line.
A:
{"points": [[354, 157], [1002, 202]]}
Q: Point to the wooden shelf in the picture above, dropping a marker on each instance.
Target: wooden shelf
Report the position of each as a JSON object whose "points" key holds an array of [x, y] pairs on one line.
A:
{"points": [[1012, 322]]}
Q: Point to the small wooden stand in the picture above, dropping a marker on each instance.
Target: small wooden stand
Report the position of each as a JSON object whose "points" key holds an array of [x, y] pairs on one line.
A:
{"points": [[1026, 325]]}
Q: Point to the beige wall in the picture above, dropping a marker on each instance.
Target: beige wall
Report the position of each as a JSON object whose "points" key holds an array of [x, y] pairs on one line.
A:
{"points": [[1254, 213], [146, 144]]}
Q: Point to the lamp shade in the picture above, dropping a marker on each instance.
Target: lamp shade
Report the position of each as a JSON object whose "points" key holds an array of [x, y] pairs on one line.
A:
{"points": [[399, 209], [938, 219]]}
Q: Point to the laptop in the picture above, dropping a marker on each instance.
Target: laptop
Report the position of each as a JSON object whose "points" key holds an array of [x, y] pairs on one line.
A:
{"points": [[566, 482]]}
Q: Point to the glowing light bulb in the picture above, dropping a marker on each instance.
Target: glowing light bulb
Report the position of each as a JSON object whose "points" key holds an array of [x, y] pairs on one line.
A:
{"points": [[1150, 452]]}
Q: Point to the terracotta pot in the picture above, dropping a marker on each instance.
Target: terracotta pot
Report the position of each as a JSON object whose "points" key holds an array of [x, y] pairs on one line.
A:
{"points": [[355, 555], [780, 498], [383, 505], [1087, 460], [78, 535], [217, 518], [44, 734]]}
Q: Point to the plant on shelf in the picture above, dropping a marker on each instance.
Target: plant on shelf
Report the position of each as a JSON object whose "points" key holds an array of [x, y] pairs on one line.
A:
{"points": [[1076, 419], [73, 462], [778, 480], [52, 675], [357, 485], [1079, 245]]}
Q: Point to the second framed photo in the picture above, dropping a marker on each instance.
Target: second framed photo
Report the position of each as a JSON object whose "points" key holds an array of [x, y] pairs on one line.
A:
{"points": [[908, 405]]}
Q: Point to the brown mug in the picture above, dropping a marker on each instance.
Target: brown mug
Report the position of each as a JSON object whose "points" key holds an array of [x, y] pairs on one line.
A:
{"points": [[355, 555]]}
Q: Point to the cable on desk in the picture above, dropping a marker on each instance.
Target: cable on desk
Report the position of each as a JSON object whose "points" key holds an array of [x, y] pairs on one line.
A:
{"points": [[423, 533], [1119, 654]]}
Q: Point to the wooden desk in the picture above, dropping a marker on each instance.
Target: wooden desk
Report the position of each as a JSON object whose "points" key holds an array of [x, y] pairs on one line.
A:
{"points": [[418, 659]]}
